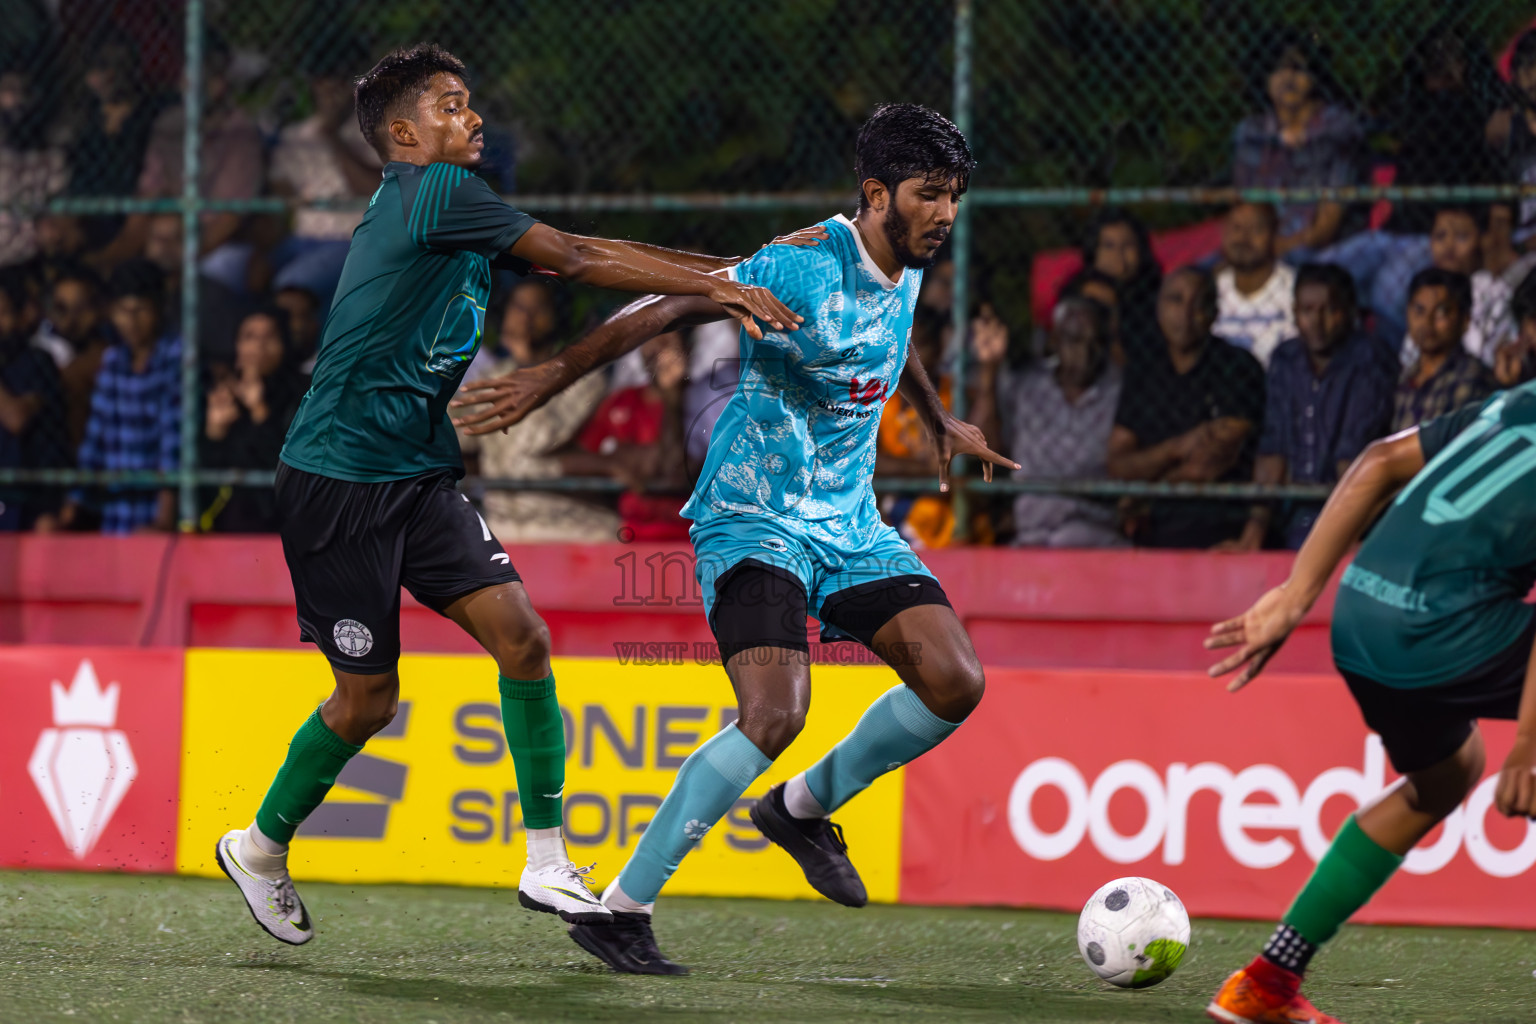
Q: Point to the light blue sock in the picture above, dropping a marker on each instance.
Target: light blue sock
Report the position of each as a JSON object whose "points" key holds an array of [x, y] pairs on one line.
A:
{"points": [[708, 783], [895, 729]]}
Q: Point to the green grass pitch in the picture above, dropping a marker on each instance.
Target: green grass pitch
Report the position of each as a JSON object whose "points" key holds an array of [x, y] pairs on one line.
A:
{"points": [[77, 947]]}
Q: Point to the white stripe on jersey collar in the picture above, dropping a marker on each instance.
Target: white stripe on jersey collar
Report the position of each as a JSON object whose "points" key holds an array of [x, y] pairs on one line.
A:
{"points": [[869, 264]]}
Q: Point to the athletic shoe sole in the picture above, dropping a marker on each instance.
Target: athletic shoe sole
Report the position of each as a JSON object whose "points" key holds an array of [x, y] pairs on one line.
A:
{"points": [[569, 917], [218, 854]]}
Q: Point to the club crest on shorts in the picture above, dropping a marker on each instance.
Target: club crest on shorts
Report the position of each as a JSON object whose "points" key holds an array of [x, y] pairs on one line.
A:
{"points": [[352, 638]]}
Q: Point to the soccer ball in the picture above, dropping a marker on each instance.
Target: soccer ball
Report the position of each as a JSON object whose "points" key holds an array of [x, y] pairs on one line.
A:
{"points": [[1133, 932]]}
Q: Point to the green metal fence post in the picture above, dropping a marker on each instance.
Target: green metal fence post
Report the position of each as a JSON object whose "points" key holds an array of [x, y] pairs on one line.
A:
{"points": [[960, 244], [192, 105]]}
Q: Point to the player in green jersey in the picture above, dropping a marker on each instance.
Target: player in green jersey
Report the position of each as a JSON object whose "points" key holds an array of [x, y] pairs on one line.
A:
{"points": [[1431, 632], [366, 480]]}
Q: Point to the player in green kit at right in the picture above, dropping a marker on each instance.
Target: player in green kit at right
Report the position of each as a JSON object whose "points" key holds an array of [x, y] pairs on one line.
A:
{"points": [[366, 487], [1431, 632]]}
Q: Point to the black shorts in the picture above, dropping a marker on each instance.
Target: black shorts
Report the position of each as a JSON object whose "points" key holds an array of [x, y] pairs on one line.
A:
{"points": [[763, 605], [1424, 725], [350, 547]]}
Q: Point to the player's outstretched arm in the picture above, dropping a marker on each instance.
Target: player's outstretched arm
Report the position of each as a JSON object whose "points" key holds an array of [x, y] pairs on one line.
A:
{"points": [[607, 263], [713, 264], [1372, 481], [505, 400], [951, 436]]}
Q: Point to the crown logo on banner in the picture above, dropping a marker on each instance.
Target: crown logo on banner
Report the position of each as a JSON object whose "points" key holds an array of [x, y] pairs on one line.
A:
{"points": [[82, 766], [85, 702]]}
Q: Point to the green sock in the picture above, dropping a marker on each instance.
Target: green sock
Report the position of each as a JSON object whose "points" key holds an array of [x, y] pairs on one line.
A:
{"points": [[1345, 879], [315, 757], [530, 714]]}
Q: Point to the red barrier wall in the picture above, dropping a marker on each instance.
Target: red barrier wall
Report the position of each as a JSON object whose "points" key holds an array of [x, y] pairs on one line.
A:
{"points": [[1072, 778], [1024, 608]]}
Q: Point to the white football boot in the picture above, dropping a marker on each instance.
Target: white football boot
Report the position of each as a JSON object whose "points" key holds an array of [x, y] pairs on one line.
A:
{"points": [[562, 889], [272, 902]]}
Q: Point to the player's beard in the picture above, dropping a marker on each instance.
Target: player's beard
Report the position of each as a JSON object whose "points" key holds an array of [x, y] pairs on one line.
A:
{"points": [[897, 230]]}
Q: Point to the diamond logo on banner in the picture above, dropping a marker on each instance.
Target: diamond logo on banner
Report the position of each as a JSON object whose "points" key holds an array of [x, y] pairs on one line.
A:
{"points": [[82, 766]]}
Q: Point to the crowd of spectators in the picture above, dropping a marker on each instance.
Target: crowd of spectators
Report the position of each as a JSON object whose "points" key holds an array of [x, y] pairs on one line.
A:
{"points": [[1263, 372], [1274, 360]]}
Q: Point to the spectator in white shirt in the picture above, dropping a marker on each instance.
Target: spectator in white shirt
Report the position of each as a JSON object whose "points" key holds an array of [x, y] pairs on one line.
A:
{"points": [[1254, 290]]}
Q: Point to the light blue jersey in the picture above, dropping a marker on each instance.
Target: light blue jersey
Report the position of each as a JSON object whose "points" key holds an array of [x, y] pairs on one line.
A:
{"points": [[787, 478], [796, 442]]}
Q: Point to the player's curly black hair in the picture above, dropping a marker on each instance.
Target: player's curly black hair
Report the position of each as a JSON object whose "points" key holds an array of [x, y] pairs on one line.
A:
{"points": [[393, 86], [906, 140]]}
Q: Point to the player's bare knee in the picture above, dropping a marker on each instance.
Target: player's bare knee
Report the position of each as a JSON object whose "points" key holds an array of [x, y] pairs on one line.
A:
{"points": [[1466, 769], [971, 683], [524, 654], [355, 715], [1473, 761], [772, 729], [1438, 797], [379, 716], [1439, 790], [954, 684]]}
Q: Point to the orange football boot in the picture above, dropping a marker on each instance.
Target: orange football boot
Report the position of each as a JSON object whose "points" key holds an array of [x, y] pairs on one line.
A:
{"points": [[1263, 993]]}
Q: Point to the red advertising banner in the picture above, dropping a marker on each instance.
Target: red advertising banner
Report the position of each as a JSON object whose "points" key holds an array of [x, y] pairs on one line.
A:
{"points": [[90, 755], [1064, 780]]}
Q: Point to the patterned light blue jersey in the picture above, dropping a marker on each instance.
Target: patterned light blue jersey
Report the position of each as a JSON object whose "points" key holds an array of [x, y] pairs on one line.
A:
{"points": [[796, 441]]}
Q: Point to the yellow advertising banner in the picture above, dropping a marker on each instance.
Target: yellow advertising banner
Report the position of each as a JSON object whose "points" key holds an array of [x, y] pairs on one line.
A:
{"points": [[434, 797]]}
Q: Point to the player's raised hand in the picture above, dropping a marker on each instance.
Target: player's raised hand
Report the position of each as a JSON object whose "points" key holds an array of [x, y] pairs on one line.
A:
{"points": [[1515, 796], [748, 303], [805, 236], [1258, 633], [956, 437], [505, 400]]}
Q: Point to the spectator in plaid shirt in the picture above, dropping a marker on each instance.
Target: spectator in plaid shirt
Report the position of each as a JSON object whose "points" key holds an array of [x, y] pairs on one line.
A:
{"points": [[1445, 376], [136, 408]]}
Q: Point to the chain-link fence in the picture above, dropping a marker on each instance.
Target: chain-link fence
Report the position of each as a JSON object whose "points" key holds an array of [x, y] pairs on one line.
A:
{"points": [[200, 159]]}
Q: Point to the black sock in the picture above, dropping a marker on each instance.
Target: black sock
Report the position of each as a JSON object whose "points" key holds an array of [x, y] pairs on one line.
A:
{"points": [[1286, 948]]}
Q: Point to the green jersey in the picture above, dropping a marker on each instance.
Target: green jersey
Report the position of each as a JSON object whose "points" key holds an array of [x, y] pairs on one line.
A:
{"points": [[1438, 587], [403, 327]]}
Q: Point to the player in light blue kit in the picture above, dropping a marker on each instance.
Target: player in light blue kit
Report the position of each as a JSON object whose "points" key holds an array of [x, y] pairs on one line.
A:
{"points": [[785, 522]]}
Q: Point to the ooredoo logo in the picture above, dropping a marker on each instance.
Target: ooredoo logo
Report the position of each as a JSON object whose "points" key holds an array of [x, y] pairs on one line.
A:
{"points": [[1286, 808], [83, 766]]}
